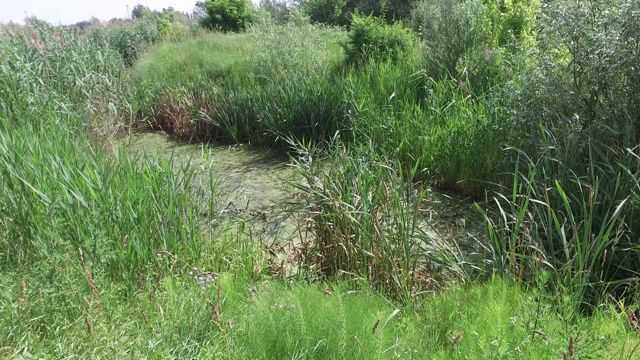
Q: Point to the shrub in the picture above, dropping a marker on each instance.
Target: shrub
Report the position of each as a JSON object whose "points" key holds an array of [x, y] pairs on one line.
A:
{"points": [[583, 77], [228, 15], [278, 10], [453, 31], [575, 114], [370, 37], [512, 20], [471, 38]]}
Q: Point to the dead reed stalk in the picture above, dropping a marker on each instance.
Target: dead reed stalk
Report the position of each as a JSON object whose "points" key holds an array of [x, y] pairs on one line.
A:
{"points": [[89, 325], [456, 340], [22, 301], [94, 289]]}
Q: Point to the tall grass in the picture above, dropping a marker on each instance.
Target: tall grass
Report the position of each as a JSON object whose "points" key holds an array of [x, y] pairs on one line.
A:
{"points": [[102, 253], [571, 209], [368, 224], [63, 194], [454, 136], [578, 227]]}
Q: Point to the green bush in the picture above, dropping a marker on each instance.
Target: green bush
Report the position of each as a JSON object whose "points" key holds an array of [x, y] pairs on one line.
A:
{"points": [[228, 15], [330, 12], [574, 116], [279, 11], [370, 37], [471, 39], [512, 20], [582, 77], [454, 32]]}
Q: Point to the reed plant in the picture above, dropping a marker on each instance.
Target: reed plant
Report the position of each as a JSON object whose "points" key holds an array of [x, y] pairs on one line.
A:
{"points": [[368, 224], [577, 226], [67, 193], [103, 254]]}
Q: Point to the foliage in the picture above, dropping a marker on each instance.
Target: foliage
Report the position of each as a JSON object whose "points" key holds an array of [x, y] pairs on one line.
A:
{"points": [[371, 38], [330, 12], [585, 74], [578, 228], [455, 32], [291, 86], [65, 195], [574, 114], [228, 15], [368, 224], [474, 40], [278, 10], [97, 241], [512, 20], [292, 49], [129, 39], [238, 87], [340, 12], [140, 11]]}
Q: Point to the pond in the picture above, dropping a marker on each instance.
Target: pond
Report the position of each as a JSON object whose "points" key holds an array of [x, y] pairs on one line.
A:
{"points": [[256, 194]]}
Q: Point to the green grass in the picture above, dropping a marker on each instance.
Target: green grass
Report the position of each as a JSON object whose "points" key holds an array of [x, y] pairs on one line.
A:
{"points": [[369, 223], [212, 57], [291, 80], [237, 318], [103, 253]]}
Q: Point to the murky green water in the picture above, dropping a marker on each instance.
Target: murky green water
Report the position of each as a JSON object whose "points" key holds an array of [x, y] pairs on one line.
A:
{"points": [[255, 191], [253, 182]]}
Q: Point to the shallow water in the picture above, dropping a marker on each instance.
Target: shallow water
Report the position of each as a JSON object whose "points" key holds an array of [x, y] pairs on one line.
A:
{"points": [[255, 191], [253, 181]]}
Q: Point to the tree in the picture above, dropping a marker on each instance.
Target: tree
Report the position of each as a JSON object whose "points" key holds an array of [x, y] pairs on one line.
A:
{"points": [[280, 10], [331, 12], [228, 15], [140, 11]]}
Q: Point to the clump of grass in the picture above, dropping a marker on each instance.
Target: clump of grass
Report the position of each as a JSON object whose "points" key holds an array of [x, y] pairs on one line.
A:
{"points": [[244, 87], [579, 227], [454, 135], [64, 194], [329, 323], [368, 224], [129, 39]]}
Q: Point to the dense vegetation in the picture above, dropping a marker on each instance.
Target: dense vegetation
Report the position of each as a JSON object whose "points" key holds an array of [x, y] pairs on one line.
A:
{"points": [[530, 108]]}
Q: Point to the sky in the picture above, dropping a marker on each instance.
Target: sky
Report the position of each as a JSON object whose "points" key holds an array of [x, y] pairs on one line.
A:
{"points": [[68, 12]]}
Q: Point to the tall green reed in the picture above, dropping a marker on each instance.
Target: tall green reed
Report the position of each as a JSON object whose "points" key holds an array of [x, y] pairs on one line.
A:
{"points": [[455, 136], [64, 190], [368, 223], [579, 226]]}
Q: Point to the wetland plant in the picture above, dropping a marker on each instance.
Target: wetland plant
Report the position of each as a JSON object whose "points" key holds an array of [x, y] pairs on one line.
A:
{"points": [[366, 213]]}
